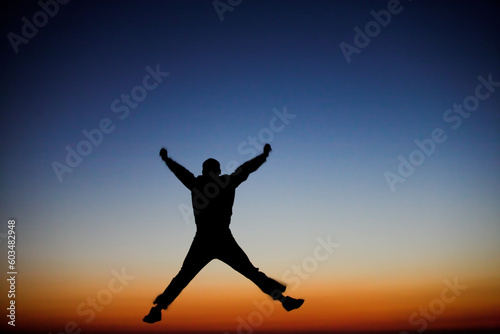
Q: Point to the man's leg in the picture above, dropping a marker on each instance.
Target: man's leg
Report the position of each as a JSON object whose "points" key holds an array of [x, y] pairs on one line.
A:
{"points": [[198, 257], [235, 257]]}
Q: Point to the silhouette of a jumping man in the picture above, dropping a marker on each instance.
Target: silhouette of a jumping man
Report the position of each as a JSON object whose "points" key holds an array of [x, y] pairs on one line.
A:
{"points": [[212, 196]]}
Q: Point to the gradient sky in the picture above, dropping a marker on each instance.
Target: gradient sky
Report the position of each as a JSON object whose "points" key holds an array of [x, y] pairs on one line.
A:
{"points": [[121, 209]]}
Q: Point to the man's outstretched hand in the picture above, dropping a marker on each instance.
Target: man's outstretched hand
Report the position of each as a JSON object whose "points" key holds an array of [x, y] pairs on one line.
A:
{"points": [[267, 149], [164, 154]]}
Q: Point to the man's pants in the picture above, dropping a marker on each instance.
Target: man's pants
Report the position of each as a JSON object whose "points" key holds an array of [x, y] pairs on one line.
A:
{"points": [[204, 249]]}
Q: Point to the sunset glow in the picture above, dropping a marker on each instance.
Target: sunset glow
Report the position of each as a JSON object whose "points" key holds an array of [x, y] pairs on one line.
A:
{"points": [[379, 203]]}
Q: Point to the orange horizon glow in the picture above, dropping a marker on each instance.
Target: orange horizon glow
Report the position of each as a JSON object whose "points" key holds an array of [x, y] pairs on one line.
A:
{"points": [[218, 306]]}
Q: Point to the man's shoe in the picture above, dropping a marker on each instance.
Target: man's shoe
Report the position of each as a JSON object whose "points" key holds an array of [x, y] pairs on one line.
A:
{"points": [[291, 303], [153, 316]]}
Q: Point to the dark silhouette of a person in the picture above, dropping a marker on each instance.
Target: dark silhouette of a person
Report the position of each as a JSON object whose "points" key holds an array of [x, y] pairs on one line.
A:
{"points": [[212, 198]]}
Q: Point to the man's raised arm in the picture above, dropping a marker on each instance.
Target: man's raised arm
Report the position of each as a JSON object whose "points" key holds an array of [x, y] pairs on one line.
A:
{"points": [[242, 172], [186, 177]]}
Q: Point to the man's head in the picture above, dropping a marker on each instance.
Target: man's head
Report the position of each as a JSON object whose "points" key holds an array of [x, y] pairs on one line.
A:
{"points": [[211, 165]]}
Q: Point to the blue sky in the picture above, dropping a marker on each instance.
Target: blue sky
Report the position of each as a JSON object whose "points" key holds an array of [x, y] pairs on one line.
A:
{"points": [[348, 124]]}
